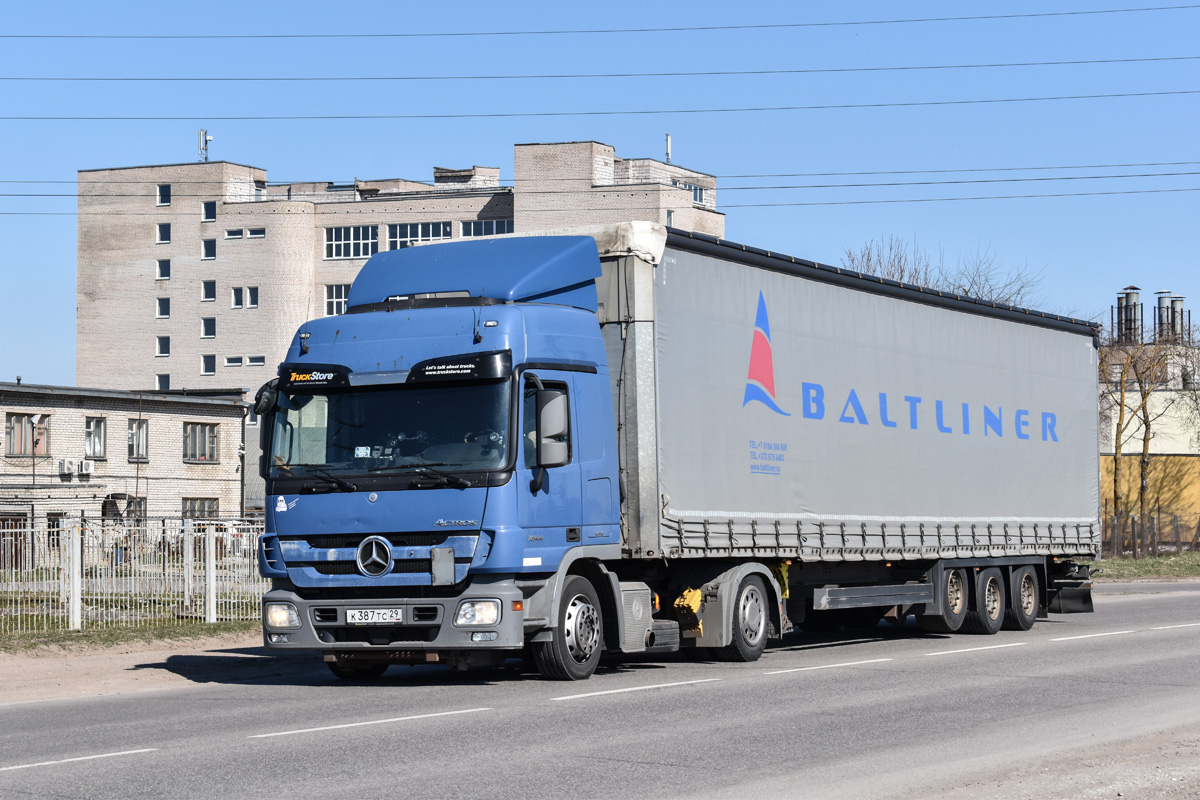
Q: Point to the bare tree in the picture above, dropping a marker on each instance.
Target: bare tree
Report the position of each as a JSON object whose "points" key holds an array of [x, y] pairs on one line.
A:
{"points": [[978, 274]]}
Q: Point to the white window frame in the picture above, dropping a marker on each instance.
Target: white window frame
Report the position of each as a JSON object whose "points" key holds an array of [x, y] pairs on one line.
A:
{"points": [[251, 297], [205, 244], [162, 233], [205, 205], [256, 233], [208, 327], [486, 227], [162, 382], [233, 361], [163, 270], [139, 440], [351, 241], [256, 361], [336, 296], [158, 194], [205, 295], [204, 368], [233, 233], [404, 233], [200, 507], [20, 431], [159, 307], [162, 346], [237, 297], [95, 437]]}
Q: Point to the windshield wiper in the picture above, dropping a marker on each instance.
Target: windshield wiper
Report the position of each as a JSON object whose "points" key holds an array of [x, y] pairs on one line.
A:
{"points": [[344, 485], [414, 465], [445, 477]]}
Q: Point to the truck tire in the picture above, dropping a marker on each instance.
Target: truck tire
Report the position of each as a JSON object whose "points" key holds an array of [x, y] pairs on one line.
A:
{"points": [[987, 611], [575, 645], [356, 672], [953, 592], [1023, 599], [751, 612]]}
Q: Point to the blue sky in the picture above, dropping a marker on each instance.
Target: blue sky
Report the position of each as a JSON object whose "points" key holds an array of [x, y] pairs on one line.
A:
{"points": [[1085, 247]]}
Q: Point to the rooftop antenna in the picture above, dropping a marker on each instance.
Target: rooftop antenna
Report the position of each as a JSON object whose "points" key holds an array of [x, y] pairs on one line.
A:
{"points": [[204, 140], [668, 148]]}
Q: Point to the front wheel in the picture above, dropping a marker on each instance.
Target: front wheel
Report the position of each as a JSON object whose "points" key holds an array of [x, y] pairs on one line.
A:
{"points": [[750, 613], [576, 643]]}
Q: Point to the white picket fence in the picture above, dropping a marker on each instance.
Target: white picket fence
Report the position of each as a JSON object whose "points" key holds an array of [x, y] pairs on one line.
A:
{"points": [[92, 573]]}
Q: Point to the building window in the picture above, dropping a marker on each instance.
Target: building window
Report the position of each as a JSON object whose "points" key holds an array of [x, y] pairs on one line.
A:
{"points": [[251, 297], [487, 227], [199, 442], [162, 346], [234, 234], [164, 269], [208, 211], [256, 233], [164, 194], [352, 241], [236, 298], [162, 308], [139, 439], [200, 507], [256, 361], [335, 298], [55, 525], [233, 361], [251, 417], [208, 327], [208, 365], [27, 435], [164, 233], [95, 430], [404, 234], [162, 382], [208, 248], [697, 191], [208, 291]]}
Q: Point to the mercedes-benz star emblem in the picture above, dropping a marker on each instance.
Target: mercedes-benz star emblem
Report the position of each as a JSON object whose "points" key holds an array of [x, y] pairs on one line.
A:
{"points": [[374, 557]]}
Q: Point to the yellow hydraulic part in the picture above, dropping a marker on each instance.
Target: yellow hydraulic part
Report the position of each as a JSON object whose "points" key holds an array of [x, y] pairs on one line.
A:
{"points": [[780, 571], [687, 610]]}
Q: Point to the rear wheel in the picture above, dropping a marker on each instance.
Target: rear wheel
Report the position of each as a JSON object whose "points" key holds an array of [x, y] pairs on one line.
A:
{"points": [[575, 645], [356, 672], [749, 623], [987, 612], [1023, 598], [953, 593]]}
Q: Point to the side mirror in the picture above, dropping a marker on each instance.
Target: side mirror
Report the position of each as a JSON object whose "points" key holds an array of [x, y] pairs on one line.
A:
{"points": [[264, 401], [552, 426]]}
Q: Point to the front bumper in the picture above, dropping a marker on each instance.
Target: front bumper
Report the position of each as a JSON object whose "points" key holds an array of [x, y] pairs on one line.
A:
{"points": [[427, 624]]}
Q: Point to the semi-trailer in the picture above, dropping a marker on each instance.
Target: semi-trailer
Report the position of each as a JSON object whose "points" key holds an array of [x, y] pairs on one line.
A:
{"points": [[635, 439]]}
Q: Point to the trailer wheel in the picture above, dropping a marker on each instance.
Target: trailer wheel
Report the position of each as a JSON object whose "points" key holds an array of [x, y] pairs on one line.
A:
{"points": [[953, 589], [750, 616], [1023, 598], [987, 612], [574, 649], [356, 672]]}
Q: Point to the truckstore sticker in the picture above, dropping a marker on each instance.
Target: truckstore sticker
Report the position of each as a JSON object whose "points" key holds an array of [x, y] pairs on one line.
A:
{"points": [[760, 380]]}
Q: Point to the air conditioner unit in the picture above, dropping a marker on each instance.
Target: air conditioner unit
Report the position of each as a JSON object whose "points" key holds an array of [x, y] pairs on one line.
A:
{"points": [[66, 467], [86, 467]]}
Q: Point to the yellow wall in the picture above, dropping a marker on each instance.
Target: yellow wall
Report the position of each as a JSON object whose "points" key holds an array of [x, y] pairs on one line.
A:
{"points": [[1174, 483]]}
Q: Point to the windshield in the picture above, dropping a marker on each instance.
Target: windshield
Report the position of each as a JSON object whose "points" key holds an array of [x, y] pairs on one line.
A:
{"points": [[375, 430]]}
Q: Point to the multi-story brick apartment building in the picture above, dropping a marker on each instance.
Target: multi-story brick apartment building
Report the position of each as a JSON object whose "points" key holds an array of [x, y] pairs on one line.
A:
{"points": [[197, 275], [102, 453]]}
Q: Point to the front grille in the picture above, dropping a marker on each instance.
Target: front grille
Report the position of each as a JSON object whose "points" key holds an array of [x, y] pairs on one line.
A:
{"points": [[330, 541], [325, 614], [399, 567], [378, 636]]}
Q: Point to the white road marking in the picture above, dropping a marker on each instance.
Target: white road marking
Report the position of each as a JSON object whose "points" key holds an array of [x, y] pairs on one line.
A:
{"points": [[635, 689], [1169, 627], [975, 649], [370, 722], [1089, 636], [828, 666], [80, 758]]}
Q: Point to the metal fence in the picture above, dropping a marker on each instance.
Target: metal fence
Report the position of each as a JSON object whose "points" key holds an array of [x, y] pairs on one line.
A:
{"points": [[81, 574], [1160, 533]]}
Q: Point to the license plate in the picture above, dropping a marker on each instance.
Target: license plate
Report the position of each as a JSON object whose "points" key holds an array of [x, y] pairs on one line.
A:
{"points": [[374, 616]]}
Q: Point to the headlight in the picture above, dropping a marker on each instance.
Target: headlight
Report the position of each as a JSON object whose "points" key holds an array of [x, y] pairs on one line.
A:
{"points": [[478, 612], [281, 615]]}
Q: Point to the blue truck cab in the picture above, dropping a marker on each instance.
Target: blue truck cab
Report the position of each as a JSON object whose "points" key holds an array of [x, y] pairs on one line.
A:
{"points": [[438, 458]]}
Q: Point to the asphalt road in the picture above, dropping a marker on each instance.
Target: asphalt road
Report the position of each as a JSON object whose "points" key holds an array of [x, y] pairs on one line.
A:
{"points": [[885, 715]]}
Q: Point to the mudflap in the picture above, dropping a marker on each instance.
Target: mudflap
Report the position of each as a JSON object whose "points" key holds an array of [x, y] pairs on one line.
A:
{"points": [[1071, 600]]}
